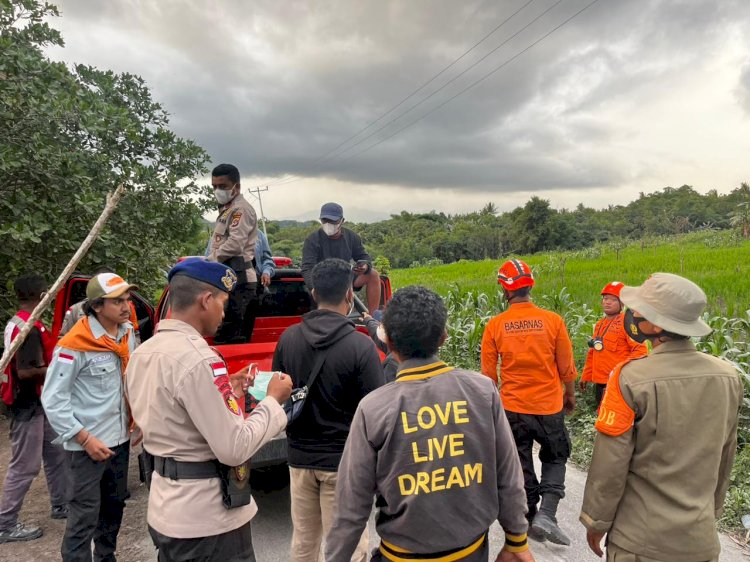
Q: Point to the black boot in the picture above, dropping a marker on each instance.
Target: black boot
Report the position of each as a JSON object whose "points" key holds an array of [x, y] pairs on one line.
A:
{"points": [[545, 521]]}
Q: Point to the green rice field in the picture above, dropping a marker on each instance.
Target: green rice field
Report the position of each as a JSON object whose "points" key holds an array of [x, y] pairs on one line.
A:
{"points": [[718, 261]]}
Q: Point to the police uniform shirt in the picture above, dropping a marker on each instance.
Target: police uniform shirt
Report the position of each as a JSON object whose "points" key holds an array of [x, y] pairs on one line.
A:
{"points": [[235, 234], [436, 449], [181, 399]]}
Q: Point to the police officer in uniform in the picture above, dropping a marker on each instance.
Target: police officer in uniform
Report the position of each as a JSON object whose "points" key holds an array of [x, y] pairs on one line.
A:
{"points": [[191, 414], [435, 449], [233, 244]]}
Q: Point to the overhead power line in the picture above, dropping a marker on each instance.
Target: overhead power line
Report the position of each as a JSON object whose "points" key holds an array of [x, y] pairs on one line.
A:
{"points": [[466, 89], [328, 155], [475, 83]]}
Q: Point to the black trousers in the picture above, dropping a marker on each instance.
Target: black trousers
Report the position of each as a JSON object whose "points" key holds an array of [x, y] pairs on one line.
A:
{"points": [[232, 330], [552, 435], [599, 393], [97, 500], [233, 546]]}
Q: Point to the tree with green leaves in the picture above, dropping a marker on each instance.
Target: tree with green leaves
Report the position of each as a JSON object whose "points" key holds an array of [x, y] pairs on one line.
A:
{"points": [[69, 135]]}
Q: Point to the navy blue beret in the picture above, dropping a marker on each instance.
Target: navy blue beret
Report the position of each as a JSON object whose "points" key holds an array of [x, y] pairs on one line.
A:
{"points": [[216, 274]]}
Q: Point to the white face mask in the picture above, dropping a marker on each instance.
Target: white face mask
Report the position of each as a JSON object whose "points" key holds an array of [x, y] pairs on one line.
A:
{"points": [[223, 196], [330, 229]]}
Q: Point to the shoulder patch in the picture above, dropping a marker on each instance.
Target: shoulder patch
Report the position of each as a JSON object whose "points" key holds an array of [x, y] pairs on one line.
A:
{"points": [[222, 384], [219, 368], [615, 415], [236, 219], [66, 357]]}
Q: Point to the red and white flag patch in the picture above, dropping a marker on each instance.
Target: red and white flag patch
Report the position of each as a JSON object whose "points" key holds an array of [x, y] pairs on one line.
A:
{"points": [[219, 369], [65, 358]]}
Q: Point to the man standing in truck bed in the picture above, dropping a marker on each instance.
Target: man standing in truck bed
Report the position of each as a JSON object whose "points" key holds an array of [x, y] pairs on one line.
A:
{"points": [[233, 244], [332, 240]]}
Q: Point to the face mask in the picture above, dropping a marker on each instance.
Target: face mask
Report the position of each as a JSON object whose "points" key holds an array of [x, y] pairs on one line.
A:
{"points": [[351, 308], [330, 229], [632, 327], [223, 196]]}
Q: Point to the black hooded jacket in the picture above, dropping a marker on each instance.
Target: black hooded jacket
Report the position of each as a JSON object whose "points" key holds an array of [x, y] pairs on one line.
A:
{"points": [[351, 370]]}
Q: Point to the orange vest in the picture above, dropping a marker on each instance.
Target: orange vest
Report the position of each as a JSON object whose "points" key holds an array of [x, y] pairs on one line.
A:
{"points": [[615, 415], [536, 358]]}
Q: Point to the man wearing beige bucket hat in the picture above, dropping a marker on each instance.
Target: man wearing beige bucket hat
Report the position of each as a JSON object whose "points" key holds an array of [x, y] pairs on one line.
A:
{"points": [[667, 434]]}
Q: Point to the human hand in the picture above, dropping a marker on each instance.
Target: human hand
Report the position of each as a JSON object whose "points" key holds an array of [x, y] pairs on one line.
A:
{"points": [[96, 449], [280, 387], [507, 556], [136, 436], [569, 403], [582, 384], [265, 279], [594, 538], [243, 379]]}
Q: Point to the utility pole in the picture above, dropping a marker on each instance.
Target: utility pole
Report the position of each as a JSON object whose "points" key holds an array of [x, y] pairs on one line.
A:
{"points": [[256, 194]]}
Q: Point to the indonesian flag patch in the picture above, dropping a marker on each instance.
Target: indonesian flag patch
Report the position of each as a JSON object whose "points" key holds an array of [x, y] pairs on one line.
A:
{"points": [[219, 369], [65, 358]]}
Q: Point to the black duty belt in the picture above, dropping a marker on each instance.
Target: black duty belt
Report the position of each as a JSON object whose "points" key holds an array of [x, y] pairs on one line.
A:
{"points": [[396, 554], [180, 470]]}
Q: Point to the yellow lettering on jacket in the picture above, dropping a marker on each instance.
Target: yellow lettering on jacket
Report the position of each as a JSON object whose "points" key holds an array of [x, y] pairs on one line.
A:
{"points": [[435, 481], [437, 447], [455, 412]]}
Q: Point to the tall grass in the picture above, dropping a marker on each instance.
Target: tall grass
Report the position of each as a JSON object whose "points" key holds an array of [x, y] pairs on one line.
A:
{"points": [[718, 261], [569, 283], [469, 312]]}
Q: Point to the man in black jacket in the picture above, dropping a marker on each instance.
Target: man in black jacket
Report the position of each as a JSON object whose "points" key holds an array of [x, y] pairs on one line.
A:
{"points": [[350, 369], [332, 240]]}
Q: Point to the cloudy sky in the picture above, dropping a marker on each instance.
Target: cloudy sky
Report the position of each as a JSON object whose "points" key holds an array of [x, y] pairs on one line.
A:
{"points": [[627, 96]]}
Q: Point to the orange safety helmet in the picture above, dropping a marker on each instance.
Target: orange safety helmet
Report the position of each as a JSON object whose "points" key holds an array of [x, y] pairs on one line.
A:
{"points": [[613, 288], [514, 275]]}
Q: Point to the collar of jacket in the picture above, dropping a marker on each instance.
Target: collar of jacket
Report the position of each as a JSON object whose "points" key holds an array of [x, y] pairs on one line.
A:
{"points": [[421, 368], [97, 330], [675, 346], [172, 325]]}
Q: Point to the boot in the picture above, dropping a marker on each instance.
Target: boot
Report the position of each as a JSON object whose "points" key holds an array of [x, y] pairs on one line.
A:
{"points": [[545, 521]]}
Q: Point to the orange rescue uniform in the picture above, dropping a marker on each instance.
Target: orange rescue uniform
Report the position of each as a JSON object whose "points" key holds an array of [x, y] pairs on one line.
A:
{"points": [[618, 347], [536, 358]]}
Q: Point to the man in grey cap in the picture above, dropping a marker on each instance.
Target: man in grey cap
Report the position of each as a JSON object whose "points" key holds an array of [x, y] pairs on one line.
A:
{"points": [[332, 240], [667, 434]]}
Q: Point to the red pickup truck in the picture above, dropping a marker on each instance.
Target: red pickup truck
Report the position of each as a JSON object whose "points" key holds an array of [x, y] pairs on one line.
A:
{"points": [[281, 306]]}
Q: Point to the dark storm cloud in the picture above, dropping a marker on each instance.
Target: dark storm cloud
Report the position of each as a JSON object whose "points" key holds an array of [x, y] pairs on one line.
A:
{"points": [[273, 86]]}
